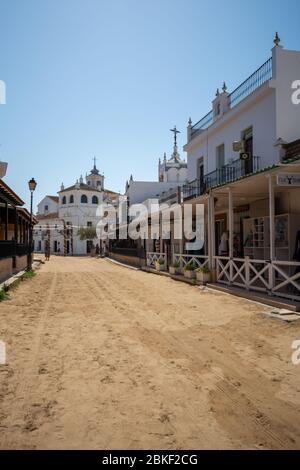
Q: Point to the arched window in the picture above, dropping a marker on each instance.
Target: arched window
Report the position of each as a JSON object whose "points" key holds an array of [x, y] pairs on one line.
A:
{"points": [[95, 200], [84, 199], [71, 199], [64, 200]]}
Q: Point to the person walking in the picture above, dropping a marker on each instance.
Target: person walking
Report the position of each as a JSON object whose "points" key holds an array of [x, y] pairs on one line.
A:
{"points": [[47, 250]]}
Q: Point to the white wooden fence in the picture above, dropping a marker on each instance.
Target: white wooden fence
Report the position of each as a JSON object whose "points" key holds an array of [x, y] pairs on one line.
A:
{"points": [[183, 260], [152, 258], [280, 278]]}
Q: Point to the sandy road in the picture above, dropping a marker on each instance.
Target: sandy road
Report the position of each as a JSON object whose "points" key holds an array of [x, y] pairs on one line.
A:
{"points": [[100, 356]]}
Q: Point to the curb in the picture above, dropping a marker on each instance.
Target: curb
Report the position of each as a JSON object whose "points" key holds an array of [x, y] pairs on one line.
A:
{"points": [[122, 265]]}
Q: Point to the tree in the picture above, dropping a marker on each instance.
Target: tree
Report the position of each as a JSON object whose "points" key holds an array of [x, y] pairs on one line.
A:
{"points": [[87, 233]]}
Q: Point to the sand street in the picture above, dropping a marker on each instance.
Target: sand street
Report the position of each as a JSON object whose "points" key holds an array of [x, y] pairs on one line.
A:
{"points": [[100, 356]]}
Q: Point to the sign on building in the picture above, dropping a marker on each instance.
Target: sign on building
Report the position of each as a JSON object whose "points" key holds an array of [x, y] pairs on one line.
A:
{"points": [[288, 179]]}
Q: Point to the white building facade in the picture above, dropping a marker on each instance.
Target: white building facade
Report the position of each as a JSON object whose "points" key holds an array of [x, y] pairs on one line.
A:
{"points": [[61, 217], [243, 162]]}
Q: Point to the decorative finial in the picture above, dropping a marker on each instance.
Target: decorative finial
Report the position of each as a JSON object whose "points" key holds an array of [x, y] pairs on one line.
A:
{"points": [[224, 87], [175, 131], [217, 92], [277, 39], [62, 187], [190, 122], [131, 178], [95, 160], [165, 156]]}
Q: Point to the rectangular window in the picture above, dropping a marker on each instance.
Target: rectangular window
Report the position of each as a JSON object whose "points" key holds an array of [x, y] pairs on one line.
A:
{"points": [[89, 224], [220, 156]]}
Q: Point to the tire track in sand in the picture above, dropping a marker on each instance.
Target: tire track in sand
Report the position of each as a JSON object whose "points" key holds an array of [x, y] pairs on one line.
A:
{"points": [[223, 385], [26, 380]]}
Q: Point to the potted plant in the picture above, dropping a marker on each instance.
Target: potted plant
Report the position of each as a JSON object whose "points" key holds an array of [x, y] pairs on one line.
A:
{"points": [[189, 271], [203, 274], [174, 267], [160, 265]]}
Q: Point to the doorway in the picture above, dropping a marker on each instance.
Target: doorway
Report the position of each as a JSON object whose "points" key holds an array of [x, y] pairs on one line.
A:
{"points": [[89, 245], [248, 139]]}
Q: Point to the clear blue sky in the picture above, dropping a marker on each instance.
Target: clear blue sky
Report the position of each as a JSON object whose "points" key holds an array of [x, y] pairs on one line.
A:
{"points": [[110, 78]]}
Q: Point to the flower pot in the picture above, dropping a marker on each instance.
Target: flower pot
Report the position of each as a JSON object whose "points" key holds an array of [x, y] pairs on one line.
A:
{"points": [[173, 270], [204, 278], [189, 274], [159, 267]]}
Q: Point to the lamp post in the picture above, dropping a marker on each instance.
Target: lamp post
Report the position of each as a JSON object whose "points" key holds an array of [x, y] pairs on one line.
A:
{"points": [[32, 185]]}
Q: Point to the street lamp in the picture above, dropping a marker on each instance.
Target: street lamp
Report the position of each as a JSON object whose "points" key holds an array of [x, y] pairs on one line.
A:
{"points": [[32, 185]]}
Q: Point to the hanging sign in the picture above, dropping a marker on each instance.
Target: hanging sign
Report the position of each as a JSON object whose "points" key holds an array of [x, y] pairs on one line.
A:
{"points": [[288, 179]]}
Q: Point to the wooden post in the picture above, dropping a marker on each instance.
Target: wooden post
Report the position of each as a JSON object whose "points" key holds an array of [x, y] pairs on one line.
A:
{"points": [[6, 221], [16, 225], [209, 235], [230, 223], [213, 230], [272, 232]]}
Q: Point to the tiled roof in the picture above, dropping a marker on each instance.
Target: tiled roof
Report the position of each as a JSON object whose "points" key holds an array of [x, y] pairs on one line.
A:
{"points": [[82, 186], [51, 215], [54, 198], [86, 187]]}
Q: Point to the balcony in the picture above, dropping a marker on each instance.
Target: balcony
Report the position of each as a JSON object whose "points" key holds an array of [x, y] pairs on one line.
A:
{"points": [[227, 174], [257, 79]]}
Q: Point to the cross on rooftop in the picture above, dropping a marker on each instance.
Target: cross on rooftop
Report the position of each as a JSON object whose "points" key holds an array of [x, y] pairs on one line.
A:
{"points": [[175, 131]]}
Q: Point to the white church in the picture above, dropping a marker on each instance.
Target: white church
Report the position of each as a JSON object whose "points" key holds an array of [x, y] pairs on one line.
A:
{"points": [[61, 217]]}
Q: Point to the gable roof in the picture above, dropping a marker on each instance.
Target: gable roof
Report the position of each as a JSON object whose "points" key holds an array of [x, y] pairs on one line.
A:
{"points": [[86, 187], [10, 195], [54, 198], [82, 186], [52, 215]]}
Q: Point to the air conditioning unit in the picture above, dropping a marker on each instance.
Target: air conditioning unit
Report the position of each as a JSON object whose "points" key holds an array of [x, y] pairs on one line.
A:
{"points": [[239, 146], [3, 169]]}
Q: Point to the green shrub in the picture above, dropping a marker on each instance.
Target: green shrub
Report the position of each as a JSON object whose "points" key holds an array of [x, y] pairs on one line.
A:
{"points": [[175, 265], [190, 267], [3, 295], [203, 270]]}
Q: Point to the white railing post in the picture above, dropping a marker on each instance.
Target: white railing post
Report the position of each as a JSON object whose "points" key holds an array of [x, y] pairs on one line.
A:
{"points": [[230, 223], [247, 272], [209, 234], [272, 233], [213, 230]]}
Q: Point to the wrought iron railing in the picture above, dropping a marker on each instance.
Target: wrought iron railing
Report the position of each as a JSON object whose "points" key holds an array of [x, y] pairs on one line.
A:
{"points": [[205, 122], [226, 174], [258, 78]]}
